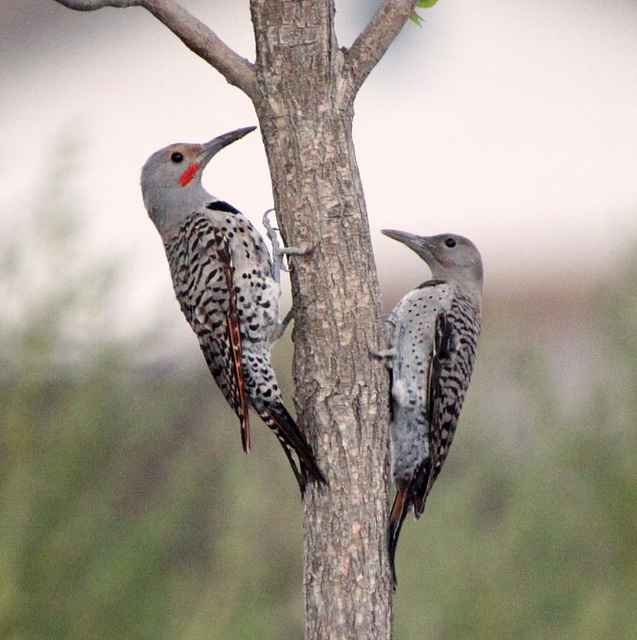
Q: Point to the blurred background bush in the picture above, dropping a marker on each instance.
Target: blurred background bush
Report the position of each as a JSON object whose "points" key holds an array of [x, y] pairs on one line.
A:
{"points": [[127, 509]]}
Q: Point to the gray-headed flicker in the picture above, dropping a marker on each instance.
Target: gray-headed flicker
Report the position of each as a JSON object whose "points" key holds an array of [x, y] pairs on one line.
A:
{"points": [[433, 333], [226, 285]]}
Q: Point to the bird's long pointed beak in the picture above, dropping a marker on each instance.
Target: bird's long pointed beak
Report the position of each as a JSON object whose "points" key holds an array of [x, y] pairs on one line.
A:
{"points": [[411, 240], [211, 148]]}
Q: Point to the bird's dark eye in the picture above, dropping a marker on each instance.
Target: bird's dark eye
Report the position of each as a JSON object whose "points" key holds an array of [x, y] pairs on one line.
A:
{"points": [[450, 242], [177, 156]]}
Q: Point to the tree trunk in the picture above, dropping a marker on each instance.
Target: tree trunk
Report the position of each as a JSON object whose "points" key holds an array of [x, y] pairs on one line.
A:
{"points": [[305, 117]]}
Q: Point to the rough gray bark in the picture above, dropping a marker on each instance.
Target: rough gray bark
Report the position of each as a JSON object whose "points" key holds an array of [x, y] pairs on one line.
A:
{"points": [[341, 393], [303, 88]]}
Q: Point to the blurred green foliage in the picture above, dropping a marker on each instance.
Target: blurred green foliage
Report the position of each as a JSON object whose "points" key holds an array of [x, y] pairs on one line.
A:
{"points": [[127, 509], [531, 530]]}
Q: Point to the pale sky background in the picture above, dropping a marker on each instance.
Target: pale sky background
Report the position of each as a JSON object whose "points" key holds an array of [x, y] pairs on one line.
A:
{"points": [[511, 122]]}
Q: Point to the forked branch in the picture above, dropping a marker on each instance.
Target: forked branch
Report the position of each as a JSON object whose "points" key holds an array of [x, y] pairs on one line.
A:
{"points": [[374, 40], [194, 34]]}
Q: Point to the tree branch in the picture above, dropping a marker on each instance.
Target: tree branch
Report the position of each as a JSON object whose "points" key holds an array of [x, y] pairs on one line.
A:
{"points": [[374, 40], [194, 34], [92, 5]]}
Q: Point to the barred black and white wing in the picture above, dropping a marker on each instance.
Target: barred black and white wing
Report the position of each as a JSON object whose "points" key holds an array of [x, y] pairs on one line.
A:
{"points": [[201, 267]]}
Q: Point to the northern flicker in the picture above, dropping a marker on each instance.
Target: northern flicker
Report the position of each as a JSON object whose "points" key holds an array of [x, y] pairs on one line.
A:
{"points": [[433, 333], [226, 285]]}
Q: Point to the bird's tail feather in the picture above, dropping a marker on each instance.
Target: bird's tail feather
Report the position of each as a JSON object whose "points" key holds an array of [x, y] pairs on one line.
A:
{"points": [[399, 511], [277, 417]]}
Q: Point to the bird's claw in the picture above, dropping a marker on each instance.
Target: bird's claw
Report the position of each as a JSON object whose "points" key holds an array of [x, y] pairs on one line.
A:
{"points": [[277, 250], [283, 325], [386, 354]]}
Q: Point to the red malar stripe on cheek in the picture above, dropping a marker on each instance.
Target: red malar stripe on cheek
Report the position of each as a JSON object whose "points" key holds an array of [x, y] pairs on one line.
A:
{"points": [[188, 174]]}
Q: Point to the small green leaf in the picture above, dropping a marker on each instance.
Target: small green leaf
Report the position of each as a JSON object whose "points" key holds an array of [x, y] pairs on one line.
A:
{"points": [[415, 18], [426, 4]]}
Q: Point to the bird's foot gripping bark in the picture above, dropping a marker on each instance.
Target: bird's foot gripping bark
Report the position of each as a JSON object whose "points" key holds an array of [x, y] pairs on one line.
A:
{"points": [[277, 250], [386, 355], [283, 325]]}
